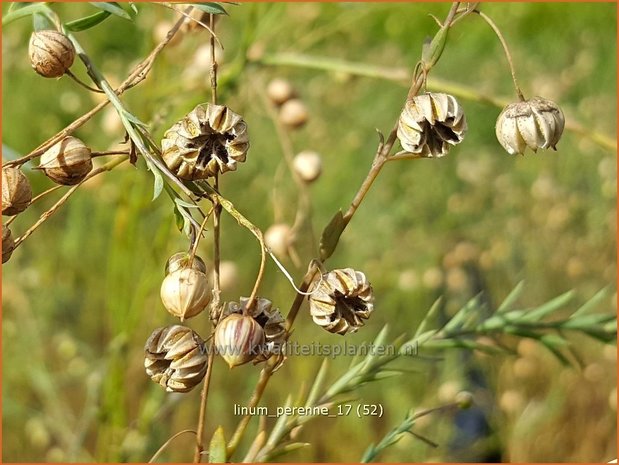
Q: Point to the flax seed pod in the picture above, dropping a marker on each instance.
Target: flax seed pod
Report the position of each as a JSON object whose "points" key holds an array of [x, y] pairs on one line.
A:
{"points": [[8, 244], [239, 339], [68, 162], [16, 191], [185, 292], [51, 53], [175, 358], [293, 113], [308, 165]]}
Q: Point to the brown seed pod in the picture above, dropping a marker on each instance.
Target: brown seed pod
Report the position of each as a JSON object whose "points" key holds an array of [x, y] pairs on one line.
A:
{"points": [[185, 292], [8, 244], [537, 123], [175, 358], [16, 191], [293, 113], [68, 162], [182, 260], [51, 53], [239, 339], [280, 91], [271, 321], [210, 139], [341, 301], [431, 123], [308, 165]]}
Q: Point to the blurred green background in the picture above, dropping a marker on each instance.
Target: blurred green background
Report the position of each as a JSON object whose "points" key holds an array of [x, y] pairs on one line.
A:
{"points": [[81, 296]]}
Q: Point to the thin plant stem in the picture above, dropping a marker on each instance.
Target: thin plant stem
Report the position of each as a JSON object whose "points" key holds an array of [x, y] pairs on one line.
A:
{"points": [[102, 169], [34, 199], [167, 443], [109, 152], [84, 85], [497, 31], [216, 262]]}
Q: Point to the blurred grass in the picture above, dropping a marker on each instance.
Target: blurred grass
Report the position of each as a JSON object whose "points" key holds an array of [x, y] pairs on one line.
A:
{"points": [[81, 295]]}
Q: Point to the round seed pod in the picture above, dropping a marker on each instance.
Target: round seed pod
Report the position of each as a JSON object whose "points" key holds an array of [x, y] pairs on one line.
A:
{"points": [[430, 124], [277, 238], [341, 301], [537, 123], [239, 339], [185, 292], [51, 53], [175, 358], [16, 191], [8, 244], [210, 139], [68, 162], [308, 165], [293, 113], [280, 91], [182, 260]]}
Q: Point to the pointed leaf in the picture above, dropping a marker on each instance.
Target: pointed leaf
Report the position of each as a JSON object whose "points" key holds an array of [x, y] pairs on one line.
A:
{"points": [[549, 307], [217, 447], [87, 22], [511, 298], [591, 303], [331, 235], [210, 7], [113, 8], [25, 11]]}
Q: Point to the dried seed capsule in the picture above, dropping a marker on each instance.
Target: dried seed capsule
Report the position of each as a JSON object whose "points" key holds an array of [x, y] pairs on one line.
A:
{"points": [[293, 113], [175, 358], [68, 162], [182, 260], [271, 321], [239, 339], [537, 123], [341, 301], [16, 191], [277, 238], [430, 123], [185, 292], [51, 53], [208, 140], [280, 91], [8, 244], [308, 165]]}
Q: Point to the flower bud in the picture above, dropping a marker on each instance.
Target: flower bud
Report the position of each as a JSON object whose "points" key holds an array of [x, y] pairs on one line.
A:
{"points": [[174, 357], [537, 123], [239, 339], [431, 123], [182, 260], [293, 113], [277, 238], [210, 139], [51, 53], [16, 191], [68, 162], [308, 165], [185, 292], [280, 91], [8, 244], [341, 301]]}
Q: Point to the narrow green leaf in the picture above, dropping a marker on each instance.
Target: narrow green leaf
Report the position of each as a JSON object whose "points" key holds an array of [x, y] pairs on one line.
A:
{"points": [[210, 7], [429, 317], [591, 303], [87, 22], [16, 6], [331, 235], [511, 298], [158, 186], [549, 307], [280, 425], [113, 8], [217, 447], [318, 384], [287, 448], [25, 11]]}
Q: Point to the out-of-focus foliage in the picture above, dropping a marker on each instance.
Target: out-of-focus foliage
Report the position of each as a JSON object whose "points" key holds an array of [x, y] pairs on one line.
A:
{"points": [[81, 296]]}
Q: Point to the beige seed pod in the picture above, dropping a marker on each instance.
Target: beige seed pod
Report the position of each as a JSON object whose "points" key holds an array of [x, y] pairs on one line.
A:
{"points": [[537, 123], [8, 244], [175, 358], [341, 301], [185, 292], [278, 239], [239, 339], [16, 191], [271, 321], [210, 139], [182, 260], [280, 91], [293, 113], [430, 124], [68, 162], [51, 53], [308, 165]]}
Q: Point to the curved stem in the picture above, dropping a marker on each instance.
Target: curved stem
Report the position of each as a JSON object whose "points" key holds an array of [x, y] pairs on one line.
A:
{"points": [[84, 85], [497, 31], [167, 443]]}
